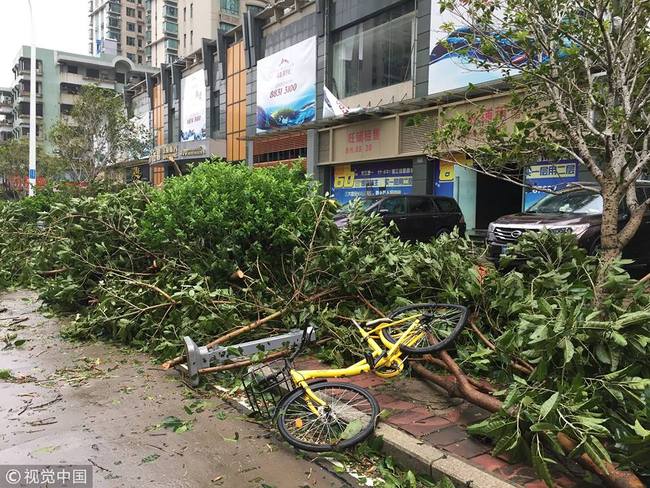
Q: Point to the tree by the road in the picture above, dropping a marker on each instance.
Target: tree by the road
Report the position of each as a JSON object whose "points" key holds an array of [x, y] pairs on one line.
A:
{"points": [[97, 134], [14, 166], [579, 71]]}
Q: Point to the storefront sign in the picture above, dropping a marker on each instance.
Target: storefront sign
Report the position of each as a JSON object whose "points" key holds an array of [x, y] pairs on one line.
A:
{"points": [[286, 87], [184, 150], [548, 176], [451, 66], [193, 122], [368, 140], [351, 181]]}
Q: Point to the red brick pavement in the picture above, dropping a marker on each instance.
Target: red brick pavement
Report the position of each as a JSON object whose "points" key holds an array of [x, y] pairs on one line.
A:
{"points": [[445, 430]]}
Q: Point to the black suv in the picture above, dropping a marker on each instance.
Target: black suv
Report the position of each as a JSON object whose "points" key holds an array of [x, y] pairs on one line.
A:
{"points": [[417, 217], [577, 209]]}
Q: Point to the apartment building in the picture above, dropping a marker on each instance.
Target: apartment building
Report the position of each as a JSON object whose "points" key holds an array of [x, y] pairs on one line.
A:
{"points": [[6, 114], [161, 39], [117, 28], [59, 78], [199, 19]]}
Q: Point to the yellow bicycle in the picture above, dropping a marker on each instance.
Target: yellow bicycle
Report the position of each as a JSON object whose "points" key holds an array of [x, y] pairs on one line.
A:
{"points": [[319, 415]]}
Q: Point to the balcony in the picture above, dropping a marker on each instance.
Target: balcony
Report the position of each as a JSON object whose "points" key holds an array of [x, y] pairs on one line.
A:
{"points": [[170, 28], [170, 12], [72, 78], [69, 99]]}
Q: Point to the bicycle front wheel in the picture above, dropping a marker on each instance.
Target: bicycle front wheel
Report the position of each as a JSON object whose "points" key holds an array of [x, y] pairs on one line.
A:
{"points": [[347, 418], [439, 324]]}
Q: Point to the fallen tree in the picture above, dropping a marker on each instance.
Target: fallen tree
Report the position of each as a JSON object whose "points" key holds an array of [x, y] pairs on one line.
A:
{"points": [[147, 267]]}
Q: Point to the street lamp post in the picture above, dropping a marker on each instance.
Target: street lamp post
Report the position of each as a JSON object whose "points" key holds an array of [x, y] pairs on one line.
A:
{"points": [[32, 107]]}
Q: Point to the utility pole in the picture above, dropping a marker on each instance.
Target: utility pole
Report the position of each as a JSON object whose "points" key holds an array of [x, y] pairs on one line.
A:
{"points": [[32, 107]]}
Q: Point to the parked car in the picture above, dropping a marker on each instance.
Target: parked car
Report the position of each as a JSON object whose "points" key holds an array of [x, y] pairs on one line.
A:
{"points": [[577, 209], [417, 217]]}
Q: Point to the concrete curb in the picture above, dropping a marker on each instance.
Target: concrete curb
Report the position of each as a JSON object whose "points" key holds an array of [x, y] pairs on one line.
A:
{"points": [[412, 454], [422, 458]]}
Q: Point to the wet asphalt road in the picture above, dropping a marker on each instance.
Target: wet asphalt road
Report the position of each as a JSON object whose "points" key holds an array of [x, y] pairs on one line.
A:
{"points": [[77, 403]]}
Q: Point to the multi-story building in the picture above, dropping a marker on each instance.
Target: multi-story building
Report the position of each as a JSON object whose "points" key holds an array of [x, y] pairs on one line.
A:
{"points": [[161, 41], [59, 78], [353, 89], [202, 19], [117, 27], [6, 114]]}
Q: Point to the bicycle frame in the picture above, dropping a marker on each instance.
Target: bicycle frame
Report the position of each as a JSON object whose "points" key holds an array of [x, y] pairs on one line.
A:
{"points": [[389, 356]]}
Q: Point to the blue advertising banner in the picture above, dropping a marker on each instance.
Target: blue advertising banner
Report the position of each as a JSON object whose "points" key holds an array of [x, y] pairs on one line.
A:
{"points": [[350, 181], [286, 87], [458, 56], [550, 176]]}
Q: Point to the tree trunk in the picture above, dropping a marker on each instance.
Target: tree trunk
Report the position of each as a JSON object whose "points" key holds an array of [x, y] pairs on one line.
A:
{"points": [[610, 245]]}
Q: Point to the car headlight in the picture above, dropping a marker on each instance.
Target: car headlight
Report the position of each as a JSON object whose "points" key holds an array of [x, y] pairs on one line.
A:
{"points": [[491, 228], [577, 229]]}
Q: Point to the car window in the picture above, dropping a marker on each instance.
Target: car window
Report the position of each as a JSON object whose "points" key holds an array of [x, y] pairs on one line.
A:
{"points": [[446, 205], [420, 205], [577, 201], [641, 194], [395, 205]]}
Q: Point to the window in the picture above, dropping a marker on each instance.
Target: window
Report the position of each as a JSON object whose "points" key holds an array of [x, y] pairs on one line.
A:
{"points": [[73, 68], [92, 73], [375, 53], [139, 59], [446, 205], [225, 26], [130, 12], [131, 56], [184, 41], [230, 7], [139, 29], [130, 26], [395, 205], [139, 14], [191, 38], [191, 10], [130, 41], [120, 77], [139, 42], [421, 205], [184, 13], [170, 27]]}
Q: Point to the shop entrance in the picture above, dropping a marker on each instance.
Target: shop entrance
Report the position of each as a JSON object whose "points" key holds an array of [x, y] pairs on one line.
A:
{"points": [[495, 198]]}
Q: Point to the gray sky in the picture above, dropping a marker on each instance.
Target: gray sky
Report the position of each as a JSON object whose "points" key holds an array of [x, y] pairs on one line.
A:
{"points": [[60, 25]]}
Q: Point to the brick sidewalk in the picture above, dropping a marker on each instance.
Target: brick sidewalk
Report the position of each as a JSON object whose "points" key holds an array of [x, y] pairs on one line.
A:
{"points": [[430, 415]]}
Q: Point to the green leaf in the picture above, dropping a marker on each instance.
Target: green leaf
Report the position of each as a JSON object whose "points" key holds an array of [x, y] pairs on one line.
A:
{"points": [[352, 429], [410, 478], [568, 350], [149, 459], [640, 430], [548, 406], [540, 462]]}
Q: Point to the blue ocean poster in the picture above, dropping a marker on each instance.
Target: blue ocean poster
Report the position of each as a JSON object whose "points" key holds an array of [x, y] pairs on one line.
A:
{"points": [[286, 87]]}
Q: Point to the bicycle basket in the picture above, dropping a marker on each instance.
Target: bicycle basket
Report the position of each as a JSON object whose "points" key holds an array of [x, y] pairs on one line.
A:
{"points": [[265, 384]]}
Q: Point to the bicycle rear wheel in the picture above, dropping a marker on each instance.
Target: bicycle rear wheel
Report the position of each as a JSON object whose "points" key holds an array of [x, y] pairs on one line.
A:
{"points": [[439, 326], [348, 417]]}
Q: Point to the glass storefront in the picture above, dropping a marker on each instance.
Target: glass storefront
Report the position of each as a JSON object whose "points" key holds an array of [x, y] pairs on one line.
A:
{"points": [[375, 53]]}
